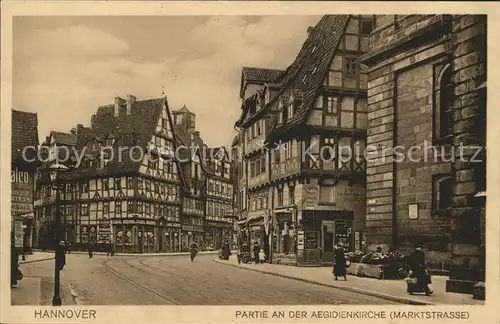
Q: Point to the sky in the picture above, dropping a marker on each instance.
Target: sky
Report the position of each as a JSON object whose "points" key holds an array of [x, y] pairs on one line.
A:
{"points": [[64, 68]]}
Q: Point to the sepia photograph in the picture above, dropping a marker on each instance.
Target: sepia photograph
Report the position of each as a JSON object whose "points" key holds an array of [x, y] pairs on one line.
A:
{"points": [[247, 159]]}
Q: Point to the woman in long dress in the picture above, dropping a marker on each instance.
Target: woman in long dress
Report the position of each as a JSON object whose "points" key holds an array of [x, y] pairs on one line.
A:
{"points": [[339, 265]]}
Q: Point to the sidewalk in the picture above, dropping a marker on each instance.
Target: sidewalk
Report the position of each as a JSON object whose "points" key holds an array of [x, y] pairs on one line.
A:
{"points": [[36, 256], [394, 290], [36, 291], [128, 254]]}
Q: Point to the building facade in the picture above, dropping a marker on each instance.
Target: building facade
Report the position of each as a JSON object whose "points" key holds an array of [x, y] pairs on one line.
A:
{"points": [[23, 168], [193, 193], [427, 85], [219, 197], [257, 88], [126, 189], [318, 131]]}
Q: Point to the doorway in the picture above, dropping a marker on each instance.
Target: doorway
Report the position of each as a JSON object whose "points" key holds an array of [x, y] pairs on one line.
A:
{"points": [[327, 239]]}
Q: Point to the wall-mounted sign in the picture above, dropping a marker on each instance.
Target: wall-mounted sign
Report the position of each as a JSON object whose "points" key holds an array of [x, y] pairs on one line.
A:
{"points": [[310, 198], [413, 211], [21, 192]]}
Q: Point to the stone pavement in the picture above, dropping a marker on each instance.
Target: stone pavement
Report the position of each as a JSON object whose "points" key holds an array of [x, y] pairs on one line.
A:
{"points": [[133, 254], [394, 290]]}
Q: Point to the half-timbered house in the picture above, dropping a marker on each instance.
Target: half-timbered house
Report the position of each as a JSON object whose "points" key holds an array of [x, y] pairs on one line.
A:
{"points": [[219, 196], [258, 86], [317, 171], [189, 151]]}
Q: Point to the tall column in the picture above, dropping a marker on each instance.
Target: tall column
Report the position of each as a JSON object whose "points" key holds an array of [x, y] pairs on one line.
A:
{"points": [[469, 111]]}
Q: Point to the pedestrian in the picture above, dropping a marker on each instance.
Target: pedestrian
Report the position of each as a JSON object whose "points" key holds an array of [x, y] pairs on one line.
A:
{"points": [[15, 273], [68, 247], [419, 271], [256, 251], [339, 265], [89, 248], [262, 256]]}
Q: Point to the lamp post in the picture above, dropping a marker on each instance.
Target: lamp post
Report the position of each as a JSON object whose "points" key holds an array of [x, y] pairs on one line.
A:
{"points": [[55, 172]]}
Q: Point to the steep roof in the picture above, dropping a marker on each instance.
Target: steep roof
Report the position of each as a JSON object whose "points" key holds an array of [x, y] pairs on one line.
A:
{"points": [[307, 73], [181, 110], [246, 106], [259, 75], [24, 133], [64, 138]]}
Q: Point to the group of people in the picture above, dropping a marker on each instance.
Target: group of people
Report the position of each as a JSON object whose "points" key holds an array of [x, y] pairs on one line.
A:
{"points": [[418, 279]]}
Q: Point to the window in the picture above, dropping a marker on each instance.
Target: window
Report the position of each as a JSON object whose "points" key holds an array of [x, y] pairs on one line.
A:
{"points": [[164, 123], [140, 205], [130, 206], [280, 197], [117, 183], [327, 194], [85, 186], [259, 130], [130, 184], [442, 192], [105, 184], [118, 207], [291, 195], [84, 209], [350, 66], [443, 101], [106, 207], [366, 26], [332, 105]]}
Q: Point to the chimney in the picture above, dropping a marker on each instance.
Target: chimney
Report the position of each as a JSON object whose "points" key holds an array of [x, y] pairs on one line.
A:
{"points": [[197, 133], [130, 102], [92, 121], [118, 103], [309, 30]]}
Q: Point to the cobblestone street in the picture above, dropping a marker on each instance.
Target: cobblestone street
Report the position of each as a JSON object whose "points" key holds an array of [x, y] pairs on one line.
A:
{"points": [[145, 280]]}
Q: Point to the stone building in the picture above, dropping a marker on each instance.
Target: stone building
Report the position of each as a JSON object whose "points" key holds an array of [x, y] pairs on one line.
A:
{"points": [[427, 88], [23, 167]]}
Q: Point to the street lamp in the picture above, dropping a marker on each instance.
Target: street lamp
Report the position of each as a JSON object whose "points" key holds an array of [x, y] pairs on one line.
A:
{"points": [[55, 172]]}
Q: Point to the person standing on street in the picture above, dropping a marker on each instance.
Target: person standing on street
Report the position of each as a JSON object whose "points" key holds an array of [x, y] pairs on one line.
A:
{"points": [[419, 270], [339, 265], [15, 273], [89, 249], [256, 251]]}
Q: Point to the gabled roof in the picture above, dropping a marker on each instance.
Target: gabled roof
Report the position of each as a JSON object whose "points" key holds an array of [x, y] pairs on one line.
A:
{"points": [[258, 75], [63, 138], [24, 133], [261, 75], [315, 55], [246, 106], [183, 109]]}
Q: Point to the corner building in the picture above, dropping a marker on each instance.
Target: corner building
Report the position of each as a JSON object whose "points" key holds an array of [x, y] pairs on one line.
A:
{"points": [[427, 83]]}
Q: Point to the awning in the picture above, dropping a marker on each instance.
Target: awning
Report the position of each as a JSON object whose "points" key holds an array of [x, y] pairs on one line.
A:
{"points": [[254, 218]]}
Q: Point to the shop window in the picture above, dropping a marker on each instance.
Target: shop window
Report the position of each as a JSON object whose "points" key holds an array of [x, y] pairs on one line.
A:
{"points": [[442, 192]]}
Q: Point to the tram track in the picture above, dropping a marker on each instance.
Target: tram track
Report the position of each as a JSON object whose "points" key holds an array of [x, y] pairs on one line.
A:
{"points": [[136, 283]]}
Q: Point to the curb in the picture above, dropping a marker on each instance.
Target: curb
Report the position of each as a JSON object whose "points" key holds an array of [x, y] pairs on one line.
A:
{"points": [[138, 254], [37, 260], [403, 300], [76, 298]]}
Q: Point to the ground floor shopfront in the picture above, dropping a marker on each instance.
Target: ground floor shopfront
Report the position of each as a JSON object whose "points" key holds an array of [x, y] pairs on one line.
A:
{"points": [[192, 234], [217, 233], [309, 236]]}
